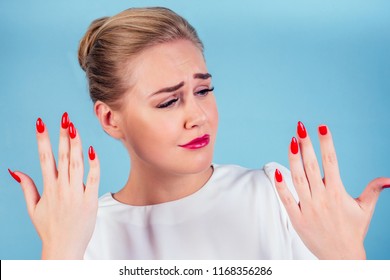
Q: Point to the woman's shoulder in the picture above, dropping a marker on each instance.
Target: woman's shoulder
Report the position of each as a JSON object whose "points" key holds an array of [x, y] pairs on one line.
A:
{"points": [[237, 172], [260, 179]]}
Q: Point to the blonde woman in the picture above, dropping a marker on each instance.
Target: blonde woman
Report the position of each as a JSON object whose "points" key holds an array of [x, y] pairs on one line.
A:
{"points": [[151, 90]]}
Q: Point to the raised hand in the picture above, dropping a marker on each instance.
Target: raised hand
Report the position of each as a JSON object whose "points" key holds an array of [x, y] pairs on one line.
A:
{"points": [[65, 215], [331, 223]]}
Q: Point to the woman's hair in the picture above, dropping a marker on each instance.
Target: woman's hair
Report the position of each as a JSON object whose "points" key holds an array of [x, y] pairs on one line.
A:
{"points": [[110, 43]]}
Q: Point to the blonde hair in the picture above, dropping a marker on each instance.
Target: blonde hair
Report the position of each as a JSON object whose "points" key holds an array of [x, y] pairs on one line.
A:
{"points": [[110, 43]]}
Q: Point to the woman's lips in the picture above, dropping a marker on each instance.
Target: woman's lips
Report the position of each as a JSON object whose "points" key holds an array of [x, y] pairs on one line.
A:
{"points": [[197, 143]]}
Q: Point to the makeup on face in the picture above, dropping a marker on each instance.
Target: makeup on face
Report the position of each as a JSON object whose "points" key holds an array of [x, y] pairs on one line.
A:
{"points": [[197, 143], [175, 93]]}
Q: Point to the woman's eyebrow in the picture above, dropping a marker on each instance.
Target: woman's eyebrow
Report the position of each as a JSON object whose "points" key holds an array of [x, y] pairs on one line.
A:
{"points": [[203, 76], [169, 89]]}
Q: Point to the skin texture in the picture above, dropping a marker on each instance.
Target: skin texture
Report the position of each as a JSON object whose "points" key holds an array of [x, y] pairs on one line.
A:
{"points": [[331, 223]]}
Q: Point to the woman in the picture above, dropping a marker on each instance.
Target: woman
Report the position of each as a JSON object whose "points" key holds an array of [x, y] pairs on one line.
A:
{"points": [[151, 90]]}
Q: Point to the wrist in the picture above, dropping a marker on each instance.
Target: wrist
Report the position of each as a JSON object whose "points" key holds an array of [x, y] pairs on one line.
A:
{"points": [[353, 253], [61, 253]]}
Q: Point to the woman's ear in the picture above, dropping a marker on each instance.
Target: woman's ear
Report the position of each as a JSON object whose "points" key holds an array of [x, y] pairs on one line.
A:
{"points": [[108, 119]]}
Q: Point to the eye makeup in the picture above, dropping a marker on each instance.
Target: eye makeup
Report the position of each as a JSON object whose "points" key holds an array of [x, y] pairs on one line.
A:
{"points": [[172, 101]]}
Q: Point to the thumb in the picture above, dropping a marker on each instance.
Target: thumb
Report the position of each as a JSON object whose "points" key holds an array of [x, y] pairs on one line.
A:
{"points": [[30, 191], [371, 193]]}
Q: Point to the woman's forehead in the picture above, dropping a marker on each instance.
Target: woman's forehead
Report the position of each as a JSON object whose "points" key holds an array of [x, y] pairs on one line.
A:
{"points": [[167, 64]]}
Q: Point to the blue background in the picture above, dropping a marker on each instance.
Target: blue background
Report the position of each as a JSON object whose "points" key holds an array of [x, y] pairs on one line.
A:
{"points": [[273, 63]]}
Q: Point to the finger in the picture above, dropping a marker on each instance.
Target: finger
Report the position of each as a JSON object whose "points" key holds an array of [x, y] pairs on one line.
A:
{"points": [[64, 151], [46, 158], [93, 178], [30, 191], [298, 173], [369, 197], [310, 163], [329, 158], [76, 162], [292, 208]]}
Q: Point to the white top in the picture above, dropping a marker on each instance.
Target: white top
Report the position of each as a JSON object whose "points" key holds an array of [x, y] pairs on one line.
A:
{"points": [[236, 215]]}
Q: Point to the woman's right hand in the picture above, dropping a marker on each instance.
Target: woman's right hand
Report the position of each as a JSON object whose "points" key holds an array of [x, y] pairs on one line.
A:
{"points": [[65, 215]]}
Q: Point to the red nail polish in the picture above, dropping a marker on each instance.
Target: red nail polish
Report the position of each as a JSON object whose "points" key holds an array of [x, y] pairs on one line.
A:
{"points": [[91, 153], [386, 187], [16, 177], [65, 121], [301, 130], [278, 176], [323, 129], [72, 130], [40, 125], [294, 146]]}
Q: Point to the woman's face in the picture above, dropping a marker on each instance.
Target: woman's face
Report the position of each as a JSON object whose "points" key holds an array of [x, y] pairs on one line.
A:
{"points": [[169, 117]]}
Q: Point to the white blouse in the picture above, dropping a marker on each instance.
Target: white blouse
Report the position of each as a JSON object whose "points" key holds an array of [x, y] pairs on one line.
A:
{"points": [[237, 214]]}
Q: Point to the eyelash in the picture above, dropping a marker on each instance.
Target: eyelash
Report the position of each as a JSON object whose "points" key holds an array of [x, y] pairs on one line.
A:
{"points": [[203, 92]]}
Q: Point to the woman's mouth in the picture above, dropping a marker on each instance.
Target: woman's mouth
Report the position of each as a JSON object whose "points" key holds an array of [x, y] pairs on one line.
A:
{"points": [[197, 143]]}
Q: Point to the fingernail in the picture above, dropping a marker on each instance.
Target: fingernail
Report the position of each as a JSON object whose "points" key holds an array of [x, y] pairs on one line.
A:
{"points": [[16, 177], [301, 130], [91, 153], [65, 121], [386, 187], [40, 125], [278, 176], [294, 146], [72, 130], [323, 129]]}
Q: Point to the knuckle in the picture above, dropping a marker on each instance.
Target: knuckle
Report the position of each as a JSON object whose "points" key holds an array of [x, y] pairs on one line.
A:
{"points": [[64, 157], [311, 166], [93, 179], [45, 156], [76, 164], [330, 158], [288, 200], [299, 179]]}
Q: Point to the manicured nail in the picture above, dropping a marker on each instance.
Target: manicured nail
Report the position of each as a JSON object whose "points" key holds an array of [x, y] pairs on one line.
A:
{"points": [[294, 146], [301, 130], [91, 153], [323, 129], [16, 177], [278, 176], [386, 187], [40, 125], [65, 121], [72, 130]]}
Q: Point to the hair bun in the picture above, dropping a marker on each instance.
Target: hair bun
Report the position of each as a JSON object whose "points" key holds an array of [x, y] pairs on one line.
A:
{"points": [[89, 39]]}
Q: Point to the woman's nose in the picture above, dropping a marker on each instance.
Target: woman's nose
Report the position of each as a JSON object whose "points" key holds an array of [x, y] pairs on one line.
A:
{"points": [[195, 115]]}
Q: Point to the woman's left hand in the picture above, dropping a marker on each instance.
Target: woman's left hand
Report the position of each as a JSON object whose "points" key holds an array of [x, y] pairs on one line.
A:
{"points": [[329, 221]]}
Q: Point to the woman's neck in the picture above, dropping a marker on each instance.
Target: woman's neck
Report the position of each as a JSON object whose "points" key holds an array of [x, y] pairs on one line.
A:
{"points": [[148, 187]]}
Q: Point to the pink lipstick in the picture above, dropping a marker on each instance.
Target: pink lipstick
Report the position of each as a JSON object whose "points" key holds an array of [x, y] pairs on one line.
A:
{"points": [[197, 143]]}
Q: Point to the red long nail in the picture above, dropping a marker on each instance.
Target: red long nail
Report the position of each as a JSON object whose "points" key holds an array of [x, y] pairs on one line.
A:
{"points": [[72, 130], [91, 153], [16, 177], [294, 146], [278, 176], [301, 130], [40, 125], [386, 187], [65, 121], [323, 129]]}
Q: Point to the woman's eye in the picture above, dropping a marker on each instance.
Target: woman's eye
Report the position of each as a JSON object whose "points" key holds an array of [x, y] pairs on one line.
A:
{"points": [[205, 91], [168, 103]]}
